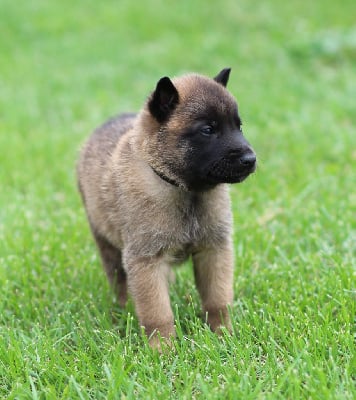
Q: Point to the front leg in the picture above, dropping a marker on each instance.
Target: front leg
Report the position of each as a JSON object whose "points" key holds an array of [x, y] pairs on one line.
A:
{"points": [[147, 279], [213, 269]]}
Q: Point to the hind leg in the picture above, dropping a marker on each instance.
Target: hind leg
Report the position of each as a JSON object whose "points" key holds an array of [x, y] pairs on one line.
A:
{"points": [[112, 262]]}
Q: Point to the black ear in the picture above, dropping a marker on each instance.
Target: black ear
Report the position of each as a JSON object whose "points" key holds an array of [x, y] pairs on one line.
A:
{"points": [[163, 100], [223, 76]]}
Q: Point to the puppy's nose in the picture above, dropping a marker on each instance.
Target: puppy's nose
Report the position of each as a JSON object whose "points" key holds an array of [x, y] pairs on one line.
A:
{"points": [[248, 159], [245, 158]]}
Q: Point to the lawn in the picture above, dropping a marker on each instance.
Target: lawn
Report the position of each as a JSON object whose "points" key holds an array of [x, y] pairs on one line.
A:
{"points": [[67, 66]]}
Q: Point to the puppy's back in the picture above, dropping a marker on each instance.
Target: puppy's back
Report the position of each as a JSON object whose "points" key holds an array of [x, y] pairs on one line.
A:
{"points": [[104, 139], [94, 164], [98, 149]]}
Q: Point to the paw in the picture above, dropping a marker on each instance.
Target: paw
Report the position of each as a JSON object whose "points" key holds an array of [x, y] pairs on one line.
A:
{"points": [[219, 321], [161, 336], [161, 344]]}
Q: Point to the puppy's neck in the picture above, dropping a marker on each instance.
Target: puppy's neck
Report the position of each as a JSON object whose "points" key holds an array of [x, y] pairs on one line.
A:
{"points": [[165, 178]]}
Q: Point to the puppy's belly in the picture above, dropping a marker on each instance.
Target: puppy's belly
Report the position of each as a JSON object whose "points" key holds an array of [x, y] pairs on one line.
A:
{"points": [[178, 256]]}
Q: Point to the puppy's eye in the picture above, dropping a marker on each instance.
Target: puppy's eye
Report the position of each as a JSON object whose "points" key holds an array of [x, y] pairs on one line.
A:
{"points": [[207, 130]]}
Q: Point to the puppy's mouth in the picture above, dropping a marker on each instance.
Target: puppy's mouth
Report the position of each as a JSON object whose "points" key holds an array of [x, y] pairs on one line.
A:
{"points": [[224, 171]]}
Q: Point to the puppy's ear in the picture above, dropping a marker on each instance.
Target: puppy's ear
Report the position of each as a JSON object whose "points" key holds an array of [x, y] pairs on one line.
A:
{"points": [[223, 76], [163, 100]]}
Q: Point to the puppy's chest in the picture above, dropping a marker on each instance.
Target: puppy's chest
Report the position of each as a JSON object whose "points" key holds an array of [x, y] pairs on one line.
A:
{"points": [[193, 226], [191, 219], [176, 229], [188, 234], [193, 233]]}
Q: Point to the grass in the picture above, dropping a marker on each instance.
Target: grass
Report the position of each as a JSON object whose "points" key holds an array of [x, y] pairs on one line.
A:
{"points": [[67, 66]]}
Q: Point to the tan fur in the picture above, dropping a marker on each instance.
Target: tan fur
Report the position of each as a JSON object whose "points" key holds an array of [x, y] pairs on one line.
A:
{"points": [[143, 225]]}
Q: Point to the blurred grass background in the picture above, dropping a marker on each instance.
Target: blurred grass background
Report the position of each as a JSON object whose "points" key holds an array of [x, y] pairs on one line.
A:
{"points": [[67, 66]]}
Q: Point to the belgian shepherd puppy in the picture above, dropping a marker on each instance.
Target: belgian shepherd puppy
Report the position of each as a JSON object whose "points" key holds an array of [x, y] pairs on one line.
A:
{"points": [[154, 186]]}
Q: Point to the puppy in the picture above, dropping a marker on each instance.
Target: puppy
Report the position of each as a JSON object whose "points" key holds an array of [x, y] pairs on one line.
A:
{"points": [[154, 186]]}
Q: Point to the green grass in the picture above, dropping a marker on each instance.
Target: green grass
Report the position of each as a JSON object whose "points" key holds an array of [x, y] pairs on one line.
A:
{"points": [[65, 67]]}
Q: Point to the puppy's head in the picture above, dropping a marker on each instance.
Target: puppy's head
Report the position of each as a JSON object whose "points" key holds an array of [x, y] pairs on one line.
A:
{"points": [[195, 139]]}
